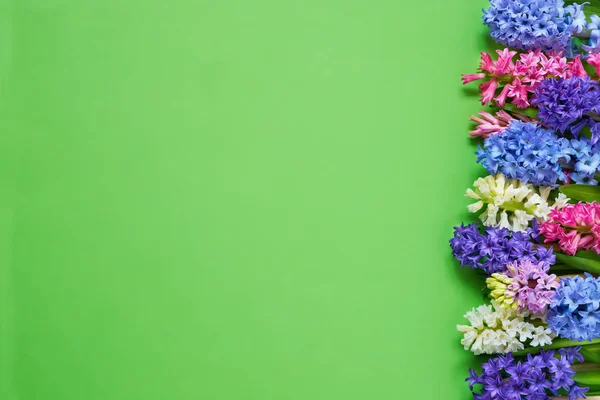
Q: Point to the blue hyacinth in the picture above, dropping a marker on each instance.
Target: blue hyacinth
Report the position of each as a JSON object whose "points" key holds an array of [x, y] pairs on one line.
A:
{"points": [[535, 24], [575, 310], [531, 154], [526, 152], [593, 43], [542, 24]]}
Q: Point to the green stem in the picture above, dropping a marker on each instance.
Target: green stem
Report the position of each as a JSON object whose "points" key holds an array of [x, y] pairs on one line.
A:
{"points": [[556, 344], [529, 111]]}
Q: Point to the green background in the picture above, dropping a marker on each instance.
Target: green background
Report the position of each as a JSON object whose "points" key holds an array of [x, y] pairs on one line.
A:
{"points": [[234, 199]]}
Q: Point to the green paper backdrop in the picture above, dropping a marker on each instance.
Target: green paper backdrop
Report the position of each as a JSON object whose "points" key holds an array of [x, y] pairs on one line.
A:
{"points": [[229, 200]]}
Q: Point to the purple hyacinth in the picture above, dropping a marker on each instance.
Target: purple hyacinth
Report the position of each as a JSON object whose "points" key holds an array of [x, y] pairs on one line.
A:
{"points": [[493, 248], [569, 105], [534, 378]]}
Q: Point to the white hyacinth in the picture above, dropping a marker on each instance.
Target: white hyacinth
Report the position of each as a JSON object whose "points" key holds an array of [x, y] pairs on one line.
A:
{"points": [[511, 204], [496, 330]]}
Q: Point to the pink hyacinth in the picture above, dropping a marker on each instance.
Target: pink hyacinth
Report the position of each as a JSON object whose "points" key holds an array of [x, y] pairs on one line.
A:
{"points": [[531, 285], [594, 60], [518, 80], [574, 227], [488, 124]]}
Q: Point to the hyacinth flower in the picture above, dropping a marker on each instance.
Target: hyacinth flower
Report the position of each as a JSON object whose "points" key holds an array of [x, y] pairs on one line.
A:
{"points": [[488, 124], [593, 42], [568, 105], [492, 249], [539, 24], [531, 154], [524, 286], [517, 81], [511, 204], [594, 60], [494, 329], [535, 377], [575, 309], [574, 227]]}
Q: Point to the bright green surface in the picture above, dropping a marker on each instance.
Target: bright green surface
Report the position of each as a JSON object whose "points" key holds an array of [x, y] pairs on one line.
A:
{"points": [[234, 200]]}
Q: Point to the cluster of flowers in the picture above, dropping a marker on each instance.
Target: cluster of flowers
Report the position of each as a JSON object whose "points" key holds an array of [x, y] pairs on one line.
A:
{"points": [[574, 227], [504, 377], [531, 154], [575, 310], [532, 242], [492, 249], [494, 329], [511, 204], [514, 290], [519, 80], [540, 24]]}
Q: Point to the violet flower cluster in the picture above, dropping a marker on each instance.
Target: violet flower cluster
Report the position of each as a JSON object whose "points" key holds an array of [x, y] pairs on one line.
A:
{"points": [[568, 105], [492, 249], [534, 378]]}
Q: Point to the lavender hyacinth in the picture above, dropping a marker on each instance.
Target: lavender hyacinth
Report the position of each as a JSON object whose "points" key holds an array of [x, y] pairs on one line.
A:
{"points": [[569, 104], [524, 285], [492, 249], [534, 378]]}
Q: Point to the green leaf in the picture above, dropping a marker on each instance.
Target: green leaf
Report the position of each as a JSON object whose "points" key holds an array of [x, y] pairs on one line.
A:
{"points": [[585, 193], [590, 356], [594, 348], [592, 255], [584, 264], [587, 378], [556, 344]]}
